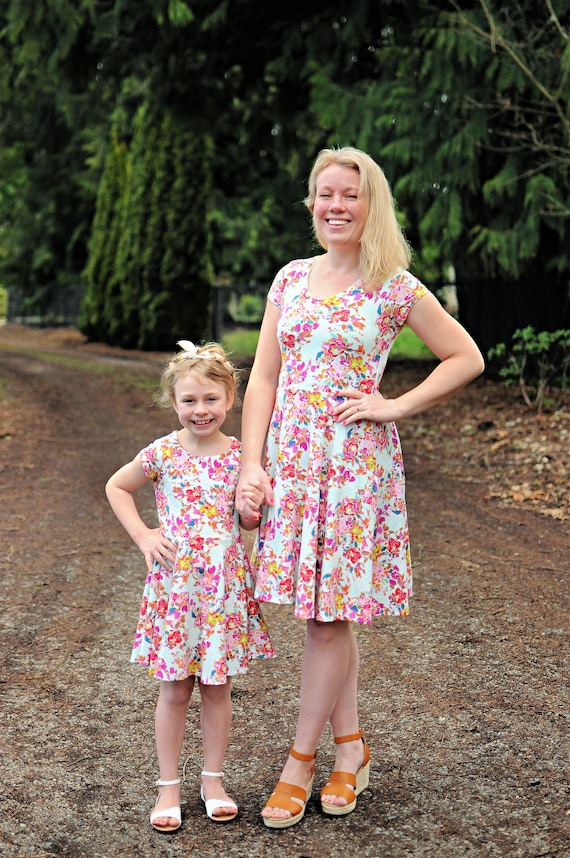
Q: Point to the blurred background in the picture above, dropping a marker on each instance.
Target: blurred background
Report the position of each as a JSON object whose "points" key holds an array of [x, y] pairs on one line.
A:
{"points": [[154, 157]]}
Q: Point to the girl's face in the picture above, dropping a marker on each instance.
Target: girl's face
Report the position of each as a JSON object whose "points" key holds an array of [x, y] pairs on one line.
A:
{"points": [[201, 404], [339, 213]]}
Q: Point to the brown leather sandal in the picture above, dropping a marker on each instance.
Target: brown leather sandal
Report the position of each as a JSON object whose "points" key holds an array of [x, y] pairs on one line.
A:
{"points": [[345, 784], [284, 797]]}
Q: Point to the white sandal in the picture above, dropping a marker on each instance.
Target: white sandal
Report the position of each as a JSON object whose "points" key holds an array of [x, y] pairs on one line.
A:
{"points": [[172, 812], [213, 804]]}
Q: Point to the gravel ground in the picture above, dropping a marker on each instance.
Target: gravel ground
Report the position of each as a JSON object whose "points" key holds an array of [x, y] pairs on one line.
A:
{"points": [[465, 703]]}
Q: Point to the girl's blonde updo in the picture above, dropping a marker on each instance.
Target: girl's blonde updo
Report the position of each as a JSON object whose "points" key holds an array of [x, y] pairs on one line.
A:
{"points": [[209, 361]]}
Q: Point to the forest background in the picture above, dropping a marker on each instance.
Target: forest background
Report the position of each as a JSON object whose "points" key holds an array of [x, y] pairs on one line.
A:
{"points": [[151, 150]]}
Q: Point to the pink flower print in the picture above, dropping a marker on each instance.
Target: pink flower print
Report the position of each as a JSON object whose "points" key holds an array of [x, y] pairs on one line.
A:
{"points": [[192, 494], [334, 348], [221, 668], [288, 471], [349, 506], [286, 587], [394, 545], [399, 596], [162, 607], [367, 385], [354, 555], [144, 606], [232, 622], [289, 503], [197, 543], [341, 315], [288, 341], [351, 449], [174, 638]]}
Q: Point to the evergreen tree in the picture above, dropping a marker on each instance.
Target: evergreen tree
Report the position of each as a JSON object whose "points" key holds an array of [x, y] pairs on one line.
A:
{"points": [[101, 283], [177, 260]]}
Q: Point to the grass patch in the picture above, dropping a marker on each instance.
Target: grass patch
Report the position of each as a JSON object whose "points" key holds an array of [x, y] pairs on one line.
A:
{"points": [[408, 346], [3, 302], [243, 341]]}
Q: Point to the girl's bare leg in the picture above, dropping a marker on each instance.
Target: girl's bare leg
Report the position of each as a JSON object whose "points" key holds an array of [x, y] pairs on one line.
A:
{"points": [[216, 717], [170, 726], [328, 681]]}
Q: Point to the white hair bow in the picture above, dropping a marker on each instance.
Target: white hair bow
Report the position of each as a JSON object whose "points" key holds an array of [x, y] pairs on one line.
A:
{"points": [[191, 350]]}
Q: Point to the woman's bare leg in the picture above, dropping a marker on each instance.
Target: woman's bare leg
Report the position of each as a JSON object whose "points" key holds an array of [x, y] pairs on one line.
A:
{"points": [[344, 722], [326, 683]]}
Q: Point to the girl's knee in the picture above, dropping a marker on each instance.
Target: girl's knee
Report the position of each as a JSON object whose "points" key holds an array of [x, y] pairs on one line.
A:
{"points": [[215, 693]]}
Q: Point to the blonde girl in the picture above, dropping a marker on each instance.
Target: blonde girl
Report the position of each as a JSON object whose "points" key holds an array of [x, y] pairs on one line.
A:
{"points": [[198, 622]]}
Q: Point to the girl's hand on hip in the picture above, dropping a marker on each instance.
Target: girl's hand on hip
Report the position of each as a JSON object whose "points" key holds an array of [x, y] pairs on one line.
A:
{"points": [[155, 546]]}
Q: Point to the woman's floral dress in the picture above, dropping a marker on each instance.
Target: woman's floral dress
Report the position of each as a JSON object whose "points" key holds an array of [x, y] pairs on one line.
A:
{"points": [[335, 543], [201, 618]]}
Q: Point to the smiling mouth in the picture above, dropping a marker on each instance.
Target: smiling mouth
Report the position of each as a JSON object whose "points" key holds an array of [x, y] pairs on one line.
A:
{"points": [[337, 222], [202, 422]]}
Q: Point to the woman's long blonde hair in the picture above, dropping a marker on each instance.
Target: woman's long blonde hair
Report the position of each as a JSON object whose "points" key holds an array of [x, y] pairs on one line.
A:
{"points": [[384, 250]]}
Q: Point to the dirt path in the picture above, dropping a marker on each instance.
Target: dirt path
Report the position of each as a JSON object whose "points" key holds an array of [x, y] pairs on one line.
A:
{"points": [[465, 703]]}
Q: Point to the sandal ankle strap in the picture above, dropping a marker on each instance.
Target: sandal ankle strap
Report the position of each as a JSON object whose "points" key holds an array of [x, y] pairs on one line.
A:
{"points": [[212, 774], [160, 783], [339, 740], [304, 758]]}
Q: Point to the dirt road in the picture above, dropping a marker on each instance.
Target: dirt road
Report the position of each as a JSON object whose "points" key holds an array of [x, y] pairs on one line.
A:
{"points": [[465, 703]]}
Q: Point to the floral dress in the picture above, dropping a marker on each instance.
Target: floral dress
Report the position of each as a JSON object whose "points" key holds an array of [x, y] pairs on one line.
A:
{"points": [[200, 618], [335, 542]]}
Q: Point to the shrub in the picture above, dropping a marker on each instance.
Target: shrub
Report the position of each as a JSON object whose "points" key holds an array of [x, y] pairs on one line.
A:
{"points": [[535, 362]]}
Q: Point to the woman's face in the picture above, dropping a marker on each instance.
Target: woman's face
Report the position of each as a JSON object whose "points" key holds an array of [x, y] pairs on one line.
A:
{"points": [[339, 213]]}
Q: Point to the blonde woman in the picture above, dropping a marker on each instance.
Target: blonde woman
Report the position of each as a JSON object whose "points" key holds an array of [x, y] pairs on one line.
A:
{"points": [[321, 444]]}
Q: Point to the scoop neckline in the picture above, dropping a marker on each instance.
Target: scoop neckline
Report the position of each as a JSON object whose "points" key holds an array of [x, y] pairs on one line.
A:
{"points": [[232, 438], [357, 284]]}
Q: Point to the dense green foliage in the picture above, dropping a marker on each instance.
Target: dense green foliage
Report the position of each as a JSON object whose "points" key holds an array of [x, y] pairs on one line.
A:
{"points": [[537, 362], [147, 149]]}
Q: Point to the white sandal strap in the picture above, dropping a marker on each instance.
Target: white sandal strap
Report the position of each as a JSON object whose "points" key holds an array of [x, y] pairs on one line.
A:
{"points": [[167, 783], [213, 774], [167, 813]]}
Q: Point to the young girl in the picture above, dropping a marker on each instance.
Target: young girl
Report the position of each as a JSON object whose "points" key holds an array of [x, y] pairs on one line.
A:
{"points": [[198, 617]]}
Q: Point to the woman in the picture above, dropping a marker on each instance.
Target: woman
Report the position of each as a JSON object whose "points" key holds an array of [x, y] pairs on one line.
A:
{"points": [[333, 539]]}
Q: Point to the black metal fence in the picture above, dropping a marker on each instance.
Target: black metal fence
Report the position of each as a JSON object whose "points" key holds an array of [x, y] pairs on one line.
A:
{"points": [[60, 308]]}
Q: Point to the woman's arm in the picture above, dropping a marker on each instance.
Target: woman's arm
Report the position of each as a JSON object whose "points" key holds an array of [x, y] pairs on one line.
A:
{"points": [[460, 362], [257, 408]]}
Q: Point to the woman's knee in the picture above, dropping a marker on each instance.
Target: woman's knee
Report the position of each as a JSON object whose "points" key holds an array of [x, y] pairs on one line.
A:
{"points": [[177, 691], [328, 633]]}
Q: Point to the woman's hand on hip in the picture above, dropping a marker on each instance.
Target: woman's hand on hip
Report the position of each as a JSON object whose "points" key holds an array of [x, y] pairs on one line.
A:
{"points": [[357, 405]]}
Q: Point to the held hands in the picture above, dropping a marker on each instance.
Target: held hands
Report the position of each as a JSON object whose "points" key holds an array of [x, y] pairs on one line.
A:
{"points": [[252, 492], [155, 546], [358, 405]]}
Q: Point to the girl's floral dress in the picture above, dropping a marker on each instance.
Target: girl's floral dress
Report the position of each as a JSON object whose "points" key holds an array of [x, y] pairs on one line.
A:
{"points": [[200, 618], [335, 543]]}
